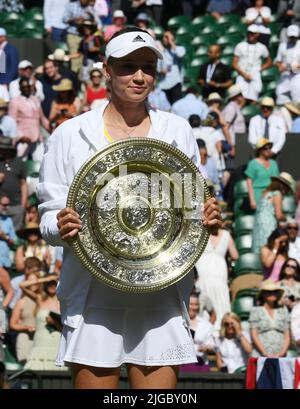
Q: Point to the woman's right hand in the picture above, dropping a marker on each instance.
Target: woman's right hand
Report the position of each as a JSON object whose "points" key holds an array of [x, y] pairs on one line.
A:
{"points": [[69, 223]]}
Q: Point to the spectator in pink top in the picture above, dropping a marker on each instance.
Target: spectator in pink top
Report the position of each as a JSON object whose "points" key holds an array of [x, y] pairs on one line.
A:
{"points": [[119, 20], [27, 112]]}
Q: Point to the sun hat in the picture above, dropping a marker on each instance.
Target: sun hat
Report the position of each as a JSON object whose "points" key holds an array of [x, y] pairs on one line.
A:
{"points": [[24, 64], [269, 285], [262, 143], [233, 91], [293, 31], [214, 96], [253, 28], [267, 102], [285, 178], [59, 55], [129, 42], [3, 31], [142, 17], [118, 14], [64, 85], [29, 228], [294, 108]]}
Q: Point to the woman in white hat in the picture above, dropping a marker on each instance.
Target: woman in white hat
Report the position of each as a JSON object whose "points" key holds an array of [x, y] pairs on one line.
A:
{"points": [[269, 323], [269, 210], [103, 327]]}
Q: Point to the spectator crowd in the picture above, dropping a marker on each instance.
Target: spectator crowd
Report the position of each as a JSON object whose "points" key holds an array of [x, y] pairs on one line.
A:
{"points": [[230, 68]]}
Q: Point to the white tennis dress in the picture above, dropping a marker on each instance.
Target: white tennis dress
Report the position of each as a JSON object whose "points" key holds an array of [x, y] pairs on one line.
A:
{"points": [[104, 327]]}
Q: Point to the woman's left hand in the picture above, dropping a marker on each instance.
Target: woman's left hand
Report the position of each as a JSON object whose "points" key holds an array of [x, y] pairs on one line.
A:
{"points": [[212, 213]]}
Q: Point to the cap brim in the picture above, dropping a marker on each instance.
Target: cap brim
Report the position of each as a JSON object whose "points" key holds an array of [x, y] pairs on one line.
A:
{"points": [[123, 52]]}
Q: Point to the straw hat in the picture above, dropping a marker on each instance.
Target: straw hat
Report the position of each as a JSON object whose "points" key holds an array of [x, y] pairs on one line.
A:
{"points": [[64, 85], [262, 143], [59, 55], [214, 96], [3, 103], [294, 108], [285, 178], [30, 227], [267, 102], [269, 285], [234, 91]]}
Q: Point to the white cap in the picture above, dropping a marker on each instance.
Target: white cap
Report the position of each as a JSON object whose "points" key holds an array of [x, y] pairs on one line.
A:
{"points": [[253, 28], [24, 64], [59, 55], [293, 31], [2, 31], [127, 43], [119, 14], [233, 91]]}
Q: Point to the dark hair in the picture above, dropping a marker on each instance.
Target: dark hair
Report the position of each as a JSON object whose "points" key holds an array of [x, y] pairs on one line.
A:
{"points": [[192, 90], [69, 100], [201, 144], [23, 79], [276, 184], [260, 299], [31, 262], [297, 272], [128, 29], [95, 70], [274, 235], [195, 121]]}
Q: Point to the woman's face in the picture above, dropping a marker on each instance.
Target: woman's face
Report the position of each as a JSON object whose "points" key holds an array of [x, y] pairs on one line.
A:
{"points": [[133, 76], [230, 325], [193, 307], [96, 78], [33, 237], [33, 214], [266, 152], [270, 296], [290, 268], [259, 3], [50, 287]]}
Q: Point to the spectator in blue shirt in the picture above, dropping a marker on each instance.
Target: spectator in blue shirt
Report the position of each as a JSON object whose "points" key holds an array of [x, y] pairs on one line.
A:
{"points": [[158, 100], [8, 126], [218, 7], [294, 110], [7, 233], [190, 105], [9, 60]]}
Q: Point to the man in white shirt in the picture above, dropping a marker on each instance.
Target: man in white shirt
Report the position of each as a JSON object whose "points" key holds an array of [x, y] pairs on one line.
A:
{"points": [[288, 53], [294, 240], [190, 104], [247, 61], [267, 125], [25, 68]]}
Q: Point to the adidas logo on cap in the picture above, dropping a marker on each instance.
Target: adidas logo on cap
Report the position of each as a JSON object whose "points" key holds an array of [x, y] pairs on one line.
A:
{"points": [[138, 38]]}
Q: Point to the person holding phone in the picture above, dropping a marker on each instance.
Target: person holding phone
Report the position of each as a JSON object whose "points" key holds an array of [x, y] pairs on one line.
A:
{"points": [[290, 282], [274, 254]]}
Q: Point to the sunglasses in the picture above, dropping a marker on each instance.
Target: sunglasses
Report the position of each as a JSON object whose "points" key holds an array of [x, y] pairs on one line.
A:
{"points": [[291, 266], [96, 76], [4, 204], [267, 148], [228, 324], [266, 108], [293, 228]]}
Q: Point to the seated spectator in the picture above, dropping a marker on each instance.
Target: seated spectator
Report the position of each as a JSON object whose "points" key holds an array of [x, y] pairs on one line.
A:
{"points": [[288, 13], [294, 239], [34, 247], [66, 105], [89, 48], [47, 328], [295, 325], [259, 171], [213, 271], [62, 61], [267, 125], [142, 21], [54, 11], [269, 209], [118, 23], [214, 76], [208, 166], [247, 61], [288, 52], [94, 89], [274, 254], [289, 281], [201, 331], [23, 320], [152, 7], [32, 265], [27, 111], [158, 100], [25, 70], [233, 346], [297, 195], [170, 69], [260, 15], [8, 126], [219, 7], [269, 323], [232, 113], [7, 233], [215, 102], [190, 104], [295, 113], [13, 181], [9, 60]]}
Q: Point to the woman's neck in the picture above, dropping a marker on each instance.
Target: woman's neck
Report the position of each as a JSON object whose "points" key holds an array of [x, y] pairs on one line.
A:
{"points": [[289, 280], [128, 114], [269, 306]]}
